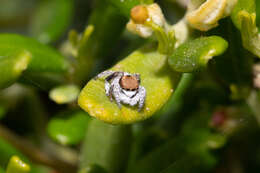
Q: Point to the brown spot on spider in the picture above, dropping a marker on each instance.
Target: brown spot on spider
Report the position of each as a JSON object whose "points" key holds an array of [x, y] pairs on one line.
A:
{"points": [[129, 83]]}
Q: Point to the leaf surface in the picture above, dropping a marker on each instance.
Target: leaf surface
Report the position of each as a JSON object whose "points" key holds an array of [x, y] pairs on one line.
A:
{"points": [[44, 25], [64, 94], [106, 145], [44, 58], [193, 55], [12, 66], [68, 130], [156, 77], [16, 165], [126, 5]]}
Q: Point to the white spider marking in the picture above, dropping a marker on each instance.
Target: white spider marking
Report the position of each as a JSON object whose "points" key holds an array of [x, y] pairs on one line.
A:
{"points": [[114, 90]]}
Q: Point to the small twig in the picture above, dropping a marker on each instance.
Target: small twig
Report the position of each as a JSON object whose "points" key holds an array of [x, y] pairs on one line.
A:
{"points": [[34, 154]]}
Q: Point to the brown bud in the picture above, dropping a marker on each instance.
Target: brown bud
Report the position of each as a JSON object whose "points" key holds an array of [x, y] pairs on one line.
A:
{"points": [[139, 14]]}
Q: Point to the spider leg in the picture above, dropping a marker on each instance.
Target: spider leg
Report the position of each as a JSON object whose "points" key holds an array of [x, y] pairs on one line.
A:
{"points": [[116, 94], [118, 101], [142, 96], [104, 73], [137, 75], [107, 87], [110, 93]]}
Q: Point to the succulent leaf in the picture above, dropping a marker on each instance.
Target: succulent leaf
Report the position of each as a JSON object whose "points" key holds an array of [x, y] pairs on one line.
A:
{"points": [[155, 76], [12, 66], [194, 55], [44, 58]]}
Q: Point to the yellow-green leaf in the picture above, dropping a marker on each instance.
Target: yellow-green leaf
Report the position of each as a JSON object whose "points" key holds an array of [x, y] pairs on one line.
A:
{"points": [[249, 32], [64, 94], [11, 67], [16, 165], [244, 18], [157, 78], [7, 151], [242, 5]]}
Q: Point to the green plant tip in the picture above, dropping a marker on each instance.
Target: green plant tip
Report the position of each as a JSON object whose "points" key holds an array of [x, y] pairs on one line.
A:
{"points": [[194, 55], [17, 166]]}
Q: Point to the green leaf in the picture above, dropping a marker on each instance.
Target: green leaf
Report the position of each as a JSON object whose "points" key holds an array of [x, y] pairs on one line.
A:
{"points": [[184, 146], [68, 128], [44, 25], [146, 140], [228, 66], [106, 145], [14, 13], [44, 58], [156, 77], [7, 151], [16, 165], [196, 164], [99, 43], [257, 4], [177, 99], [64, 94], [2, 111], [44, 80], [93, 168], [159, 159], [195, 140], [242, 5], [194, 55], [40, 169], [12, 66], [125, 6], [249, 32], [244, 18]]}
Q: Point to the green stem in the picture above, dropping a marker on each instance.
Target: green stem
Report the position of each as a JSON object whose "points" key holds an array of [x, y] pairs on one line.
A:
{"points": [[165, 38], [176, 101]]}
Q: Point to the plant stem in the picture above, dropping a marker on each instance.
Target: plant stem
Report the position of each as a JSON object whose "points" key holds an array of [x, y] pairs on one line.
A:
{"points": [[34, 153]]}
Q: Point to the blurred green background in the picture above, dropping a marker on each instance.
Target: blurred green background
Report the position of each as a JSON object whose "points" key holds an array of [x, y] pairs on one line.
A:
{"points": [[49, 50]]}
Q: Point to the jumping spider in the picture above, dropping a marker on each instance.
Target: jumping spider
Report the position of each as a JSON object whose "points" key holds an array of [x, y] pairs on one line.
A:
{"points": [[124, 87]]}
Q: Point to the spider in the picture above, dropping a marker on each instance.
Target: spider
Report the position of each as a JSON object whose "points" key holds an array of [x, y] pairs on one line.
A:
{"points": [[124, 87]]}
